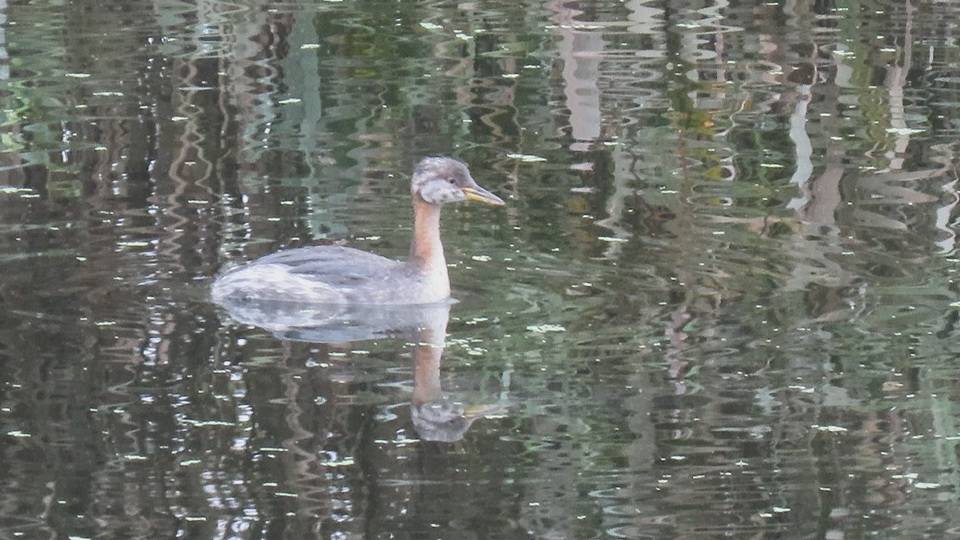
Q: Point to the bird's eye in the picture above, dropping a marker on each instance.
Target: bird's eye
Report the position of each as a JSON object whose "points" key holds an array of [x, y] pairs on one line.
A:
{"points": [[451, 180]]}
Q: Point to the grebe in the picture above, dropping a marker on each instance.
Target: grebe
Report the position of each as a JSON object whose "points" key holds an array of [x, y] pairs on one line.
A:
{"points": [[342, 275]]}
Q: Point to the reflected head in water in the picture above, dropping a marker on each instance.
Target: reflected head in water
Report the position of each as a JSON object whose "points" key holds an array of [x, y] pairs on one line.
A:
{"points": [[445, 420], [442, 420], [342, 275]]}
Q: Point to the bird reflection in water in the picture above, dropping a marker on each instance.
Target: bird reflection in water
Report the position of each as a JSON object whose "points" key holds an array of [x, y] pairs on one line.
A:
{"points": [[435, 416]]}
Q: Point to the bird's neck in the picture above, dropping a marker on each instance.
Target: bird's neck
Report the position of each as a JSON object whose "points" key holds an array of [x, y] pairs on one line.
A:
{"points": [[426, 251]]}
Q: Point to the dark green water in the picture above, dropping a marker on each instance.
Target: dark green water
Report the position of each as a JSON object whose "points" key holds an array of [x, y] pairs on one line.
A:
{"points": [[720, 302]]}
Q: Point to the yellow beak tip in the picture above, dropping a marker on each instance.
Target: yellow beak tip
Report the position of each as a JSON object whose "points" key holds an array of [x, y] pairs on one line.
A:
{"points": [[483, 196]]}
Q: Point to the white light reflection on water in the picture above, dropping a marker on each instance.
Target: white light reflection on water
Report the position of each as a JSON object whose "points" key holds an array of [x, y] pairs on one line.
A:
{"points": [[720, 301]]}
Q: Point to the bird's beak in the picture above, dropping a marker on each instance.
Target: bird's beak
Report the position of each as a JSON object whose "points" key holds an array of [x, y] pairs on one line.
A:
{"points": [[476, 193]]}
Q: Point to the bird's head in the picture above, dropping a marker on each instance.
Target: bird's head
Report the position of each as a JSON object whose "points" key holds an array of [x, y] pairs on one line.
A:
{"points": [[441, 180]]}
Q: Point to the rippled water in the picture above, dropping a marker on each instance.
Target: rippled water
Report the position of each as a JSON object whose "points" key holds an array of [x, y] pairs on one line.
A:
{"points": [[721, 300]]}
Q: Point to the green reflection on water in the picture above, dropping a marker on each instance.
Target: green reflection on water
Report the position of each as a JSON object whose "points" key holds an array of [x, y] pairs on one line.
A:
{"points": [[720, 301]]}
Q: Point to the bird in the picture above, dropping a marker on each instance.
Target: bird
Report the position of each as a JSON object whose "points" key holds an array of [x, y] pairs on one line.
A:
{"points": [[346, 276]]}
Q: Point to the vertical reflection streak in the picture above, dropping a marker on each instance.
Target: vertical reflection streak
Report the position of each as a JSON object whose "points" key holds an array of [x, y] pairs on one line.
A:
{"points": [[581, 52]]}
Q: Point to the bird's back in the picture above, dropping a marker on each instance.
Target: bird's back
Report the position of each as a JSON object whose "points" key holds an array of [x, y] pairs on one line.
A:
{"points": [[325, 275], [337, 266]]}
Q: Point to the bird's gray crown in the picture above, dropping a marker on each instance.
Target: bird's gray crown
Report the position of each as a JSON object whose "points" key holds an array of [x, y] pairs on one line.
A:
{"points": [[432, 167]]}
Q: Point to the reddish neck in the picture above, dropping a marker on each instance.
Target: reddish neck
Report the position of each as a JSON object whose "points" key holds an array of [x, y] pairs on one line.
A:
{"points": [[426, 251]]}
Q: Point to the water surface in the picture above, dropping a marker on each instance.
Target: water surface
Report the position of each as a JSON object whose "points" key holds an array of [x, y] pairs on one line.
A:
{"points": [[720, 302]]}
